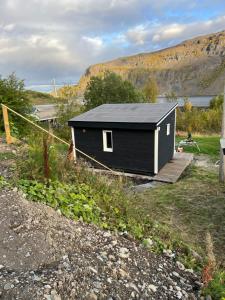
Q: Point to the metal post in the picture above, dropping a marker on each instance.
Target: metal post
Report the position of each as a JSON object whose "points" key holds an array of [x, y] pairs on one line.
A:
{"points": [[222, 156], [6, 125]]}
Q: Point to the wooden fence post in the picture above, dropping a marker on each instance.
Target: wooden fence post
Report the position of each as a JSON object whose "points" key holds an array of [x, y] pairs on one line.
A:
{"points": [[6, 125]]}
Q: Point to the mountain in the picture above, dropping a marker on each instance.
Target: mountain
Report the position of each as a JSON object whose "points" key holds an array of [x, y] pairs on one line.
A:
{"points": [[193, 67]]}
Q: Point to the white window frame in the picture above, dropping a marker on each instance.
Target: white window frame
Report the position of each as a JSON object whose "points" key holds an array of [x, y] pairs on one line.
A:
{"points": [[104, 137], [168, 129]]}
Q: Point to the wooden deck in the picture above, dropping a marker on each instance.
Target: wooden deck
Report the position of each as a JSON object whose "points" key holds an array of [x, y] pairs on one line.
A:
{"points": [[170, 173]]}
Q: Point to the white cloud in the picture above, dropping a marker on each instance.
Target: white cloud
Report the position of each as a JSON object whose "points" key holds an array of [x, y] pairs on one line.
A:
{"points": [[146, 34], [95, 42]]}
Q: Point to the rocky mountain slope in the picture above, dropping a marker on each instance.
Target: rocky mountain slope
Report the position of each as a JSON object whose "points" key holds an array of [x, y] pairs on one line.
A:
{"points": [[194, 67]]}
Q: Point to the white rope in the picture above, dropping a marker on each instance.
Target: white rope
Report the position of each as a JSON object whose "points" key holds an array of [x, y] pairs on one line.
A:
{"points": [[59, 139]]}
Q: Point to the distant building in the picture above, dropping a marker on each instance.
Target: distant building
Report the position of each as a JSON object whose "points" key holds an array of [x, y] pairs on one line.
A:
{"points": [[136, 138], [45, 113]]}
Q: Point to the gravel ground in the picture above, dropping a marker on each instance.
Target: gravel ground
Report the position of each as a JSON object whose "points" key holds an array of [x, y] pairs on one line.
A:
{"points": [[43, 255]]}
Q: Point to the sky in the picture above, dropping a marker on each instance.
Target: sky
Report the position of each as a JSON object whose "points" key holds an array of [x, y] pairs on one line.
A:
{"points": [[45, 39]]}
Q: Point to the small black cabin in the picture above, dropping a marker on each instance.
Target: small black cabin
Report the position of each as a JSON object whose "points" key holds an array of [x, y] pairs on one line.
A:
{"points": [[136, 138]]}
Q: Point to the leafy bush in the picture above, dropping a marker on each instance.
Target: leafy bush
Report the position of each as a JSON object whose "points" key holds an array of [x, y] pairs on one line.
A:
{"points": [[74, 201], [199, 120], [13, 94], [216, 102], [3, 182]]}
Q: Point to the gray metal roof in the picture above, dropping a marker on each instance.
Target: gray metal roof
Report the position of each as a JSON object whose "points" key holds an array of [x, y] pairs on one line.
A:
{"points": [[126, 113]]}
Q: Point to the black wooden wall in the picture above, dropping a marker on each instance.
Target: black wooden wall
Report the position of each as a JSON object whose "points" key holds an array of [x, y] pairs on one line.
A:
{"points": [[133, 150], [166, 142]]}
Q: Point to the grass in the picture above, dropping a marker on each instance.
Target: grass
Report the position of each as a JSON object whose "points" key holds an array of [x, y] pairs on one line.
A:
{"points": [[42, 98], [209, 145], [189, 208]]}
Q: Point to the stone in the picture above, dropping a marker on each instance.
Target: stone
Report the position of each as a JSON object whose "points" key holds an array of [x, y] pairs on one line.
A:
{"points": [[176, 274], [179, 295], [123, 253], [8, 286], [180, 265], [122, 273], [1, 267], [152, 288], [91, 296]]}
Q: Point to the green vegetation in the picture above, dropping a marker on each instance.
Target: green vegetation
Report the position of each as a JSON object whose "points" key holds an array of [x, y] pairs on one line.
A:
{"points": [[38, 98], [67, 92], [13, 94], [110, 88], [216, 102], [190, 207], [216, 287], [151, 90], [66, 112], [171, 96], [209, 145], [204, 121]]}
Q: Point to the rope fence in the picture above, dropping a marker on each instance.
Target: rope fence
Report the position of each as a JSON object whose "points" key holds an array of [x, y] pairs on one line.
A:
{"points": [[4, 108]]}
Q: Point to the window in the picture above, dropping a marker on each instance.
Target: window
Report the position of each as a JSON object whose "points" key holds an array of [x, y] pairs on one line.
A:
{"points": [[168, 129], [107, 141]]}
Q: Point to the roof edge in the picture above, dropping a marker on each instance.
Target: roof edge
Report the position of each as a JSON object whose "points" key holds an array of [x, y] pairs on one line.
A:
{"points": [[169, 112]]}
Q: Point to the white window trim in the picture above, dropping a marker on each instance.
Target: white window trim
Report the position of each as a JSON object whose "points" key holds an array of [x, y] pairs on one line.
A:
{"points": [[104, 137], [168, 129]]}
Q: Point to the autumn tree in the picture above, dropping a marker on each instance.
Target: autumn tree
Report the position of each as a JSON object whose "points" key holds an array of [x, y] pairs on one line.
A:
{"points": [[151, 90]]}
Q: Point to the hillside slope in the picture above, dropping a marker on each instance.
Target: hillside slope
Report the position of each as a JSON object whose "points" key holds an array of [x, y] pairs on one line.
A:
{"points": [[194, 67]]}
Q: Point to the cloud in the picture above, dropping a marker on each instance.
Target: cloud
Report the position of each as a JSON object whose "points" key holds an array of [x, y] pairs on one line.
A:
{"points": [[160, 34], [42, 39]]}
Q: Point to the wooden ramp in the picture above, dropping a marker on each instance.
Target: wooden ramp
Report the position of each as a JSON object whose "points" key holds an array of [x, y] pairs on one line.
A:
{"points": [[172, 171]]}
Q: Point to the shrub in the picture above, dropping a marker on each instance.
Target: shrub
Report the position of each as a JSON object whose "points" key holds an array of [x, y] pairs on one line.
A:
{"points": [[13, 94]]}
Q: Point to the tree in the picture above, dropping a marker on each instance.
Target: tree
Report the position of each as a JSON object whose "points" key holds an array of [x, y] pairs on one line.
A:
{"points": [[216, 102], [13, 95], [151, 90], [110, 88], [187, 105]]}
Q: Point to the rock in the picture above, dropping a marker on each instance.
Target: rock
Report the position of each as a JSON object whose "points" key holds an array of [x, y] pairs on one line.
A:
{"points": [[208, 297], [91, 296], [122, 273], [133, 286], [179, 295], [123, 253], [168, 253], [176, 274], [8, 286], [152, 288], [93, 270], [1, 267], [180, 265]]}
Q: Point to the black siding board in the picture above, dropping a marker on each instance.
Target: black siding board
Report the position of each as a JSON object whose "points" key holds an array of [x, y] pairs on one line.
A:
{"points": [[166, 142], [133, 151]]}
